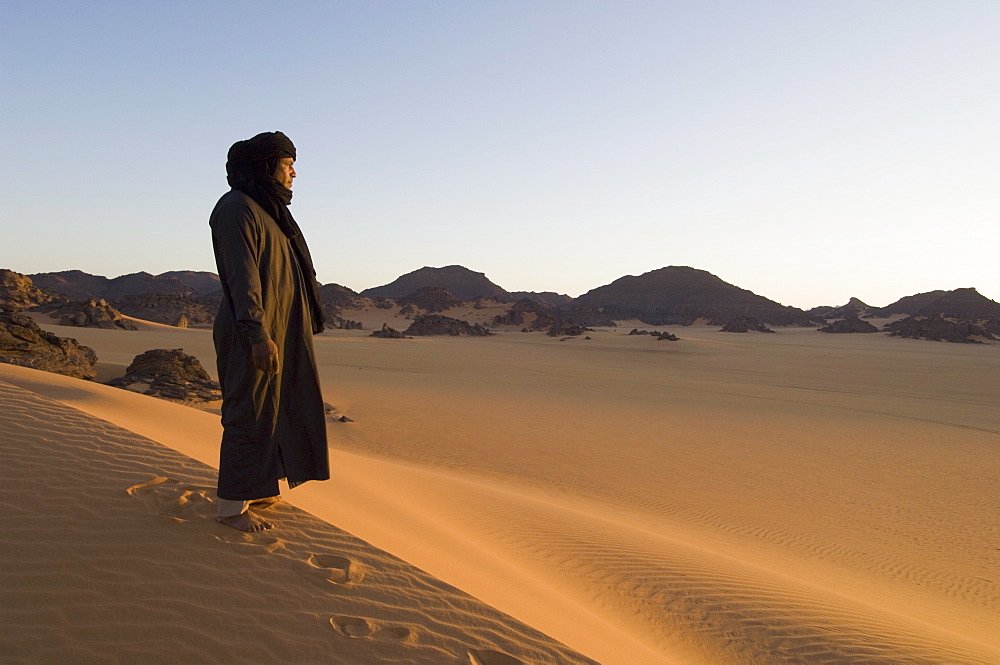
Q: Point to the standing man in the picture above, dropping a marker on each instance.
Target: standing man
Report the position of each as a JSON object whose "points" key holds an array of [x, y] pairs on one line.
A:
{"points": [[272, 409]]}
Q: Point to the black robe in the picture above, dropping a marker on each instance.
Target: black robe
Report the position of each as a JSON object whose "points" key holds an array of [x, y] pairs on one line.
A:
{"points": [[273, 425]]}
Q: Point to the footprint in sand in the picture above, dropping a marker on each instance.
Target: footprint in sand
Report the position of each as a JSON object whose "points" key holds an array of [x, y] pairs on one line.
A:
{"points": [[487, 657], [360, 628], [337, 569], [248, 543], [165, 496]]}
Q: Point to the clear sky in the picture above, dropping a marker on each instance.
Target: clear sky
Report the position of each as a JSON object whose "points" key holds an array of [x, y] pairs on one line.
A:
{"points": [[809, 151]]}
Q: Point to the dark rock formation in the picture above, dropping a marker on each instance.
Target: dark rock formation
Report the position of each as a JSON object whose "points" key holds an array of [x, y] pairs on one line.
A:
{"points": [[88, 314], [169, 374], [849, 324], [19, 292], [165, 308], [435, 324], [680, 295], [937, 328], [742, 324], [854, 307], [387, 333], [383, 303], [23, 343], [430, 299], [567, 330], [464, 284], [544, 317], [655, 333], [340, 323]]}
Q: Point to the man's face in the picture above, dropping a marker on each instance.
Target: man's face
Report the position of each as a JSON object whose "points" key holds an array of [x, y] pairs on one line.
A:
{"points": [[285, 172]]}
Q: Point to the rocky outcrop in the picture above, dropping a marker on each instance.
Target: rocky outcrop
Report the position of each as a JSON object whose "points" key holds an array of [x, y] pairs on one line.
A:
{"points": [[23, 343], [340, 323], [387, 333], [166, 309], [544, 316], [849, 324], [742, 324], [939, 329], [19, 292], [680, 295], [655, 333], [169, 374], [464, 284], [430, 299], [89, 314], [435, 324]]}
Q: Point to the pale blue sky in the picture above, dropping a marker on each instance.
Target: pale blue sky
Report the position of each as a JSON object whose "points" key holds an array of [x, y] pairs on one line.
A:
{"points": [[807, 151]]}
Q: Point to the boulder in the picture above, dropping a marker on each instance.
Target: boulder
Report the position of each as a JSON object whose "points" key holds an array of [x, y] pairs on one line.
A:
{"points": [[849, 324], [436, 324], [169, 374], [23, 343]]}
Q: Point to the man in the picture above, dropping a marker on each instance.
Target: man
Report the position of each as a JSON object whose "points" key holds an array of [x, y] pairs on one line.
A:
{"points": [[272, 408]]}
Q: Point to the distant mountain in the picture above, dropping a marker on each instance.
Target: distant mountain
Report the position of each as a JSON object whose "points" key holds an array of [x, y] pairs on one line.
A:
{"points": [[202, 283], [463, 283], [964, 304], [78, 285], [547, 298], [908, 305], [336, 297], [854, 307], [680, 295]]}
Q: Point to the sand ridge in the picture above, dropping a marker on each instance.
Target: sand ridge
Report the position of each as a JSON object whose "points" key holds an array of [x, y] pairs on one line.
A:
{"points": [[103, 558]]}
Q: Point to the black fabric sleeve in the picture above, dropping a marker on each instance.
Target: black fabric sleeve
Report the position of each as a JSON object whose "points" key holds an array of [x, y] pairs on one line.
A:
{"points": [[236, 234]]}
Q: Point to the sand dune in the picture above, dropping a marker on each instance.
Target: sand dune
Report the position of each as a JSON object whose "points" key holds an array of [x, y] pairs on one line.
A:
{"points": [[105, 560], [788, 498]]}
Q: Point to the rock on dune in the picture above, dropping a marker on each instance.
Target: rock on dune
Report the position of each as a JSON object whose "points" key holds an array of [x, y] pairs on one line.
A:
{"points": [[19, 292], [23, 343], [89, 314], [169, 374]]}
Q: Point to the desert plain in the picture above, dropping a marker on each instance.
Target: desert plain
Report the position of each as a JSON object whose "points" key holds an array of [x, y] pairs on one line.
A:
{"points": [[723, 499]]}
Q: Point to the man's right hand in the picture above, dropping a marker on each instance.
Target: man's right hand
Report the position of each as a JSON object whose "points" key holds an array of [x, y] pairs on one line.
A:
{"points": [[265, 356]]}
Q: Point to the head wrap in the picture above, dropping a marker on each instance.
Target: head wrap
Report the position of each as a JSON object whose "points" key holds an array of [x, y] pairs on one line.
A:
{"points": [[250, 168], [256, 158]]}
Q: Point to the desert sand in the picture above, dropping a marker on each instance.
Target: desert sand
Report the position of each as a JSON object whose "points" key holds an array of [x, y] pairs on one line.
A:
{"points": [[751, 499]]}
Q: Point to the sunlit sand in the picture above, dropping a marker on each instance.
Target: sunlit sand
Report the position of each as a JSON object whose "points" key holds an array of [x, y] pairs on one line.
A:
{"points": [[786, 498]]}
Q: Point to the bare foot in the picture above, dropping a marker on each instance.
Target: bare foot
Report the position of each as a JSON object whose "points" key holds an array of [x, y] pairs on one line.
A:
{"points": [[246, 522], [265, 503]]}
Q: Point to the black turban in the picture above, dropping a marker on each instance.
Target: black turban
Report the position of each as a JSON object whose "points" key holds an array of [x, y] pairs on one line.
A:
{"points": [[250, 168], [256, 157]]}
